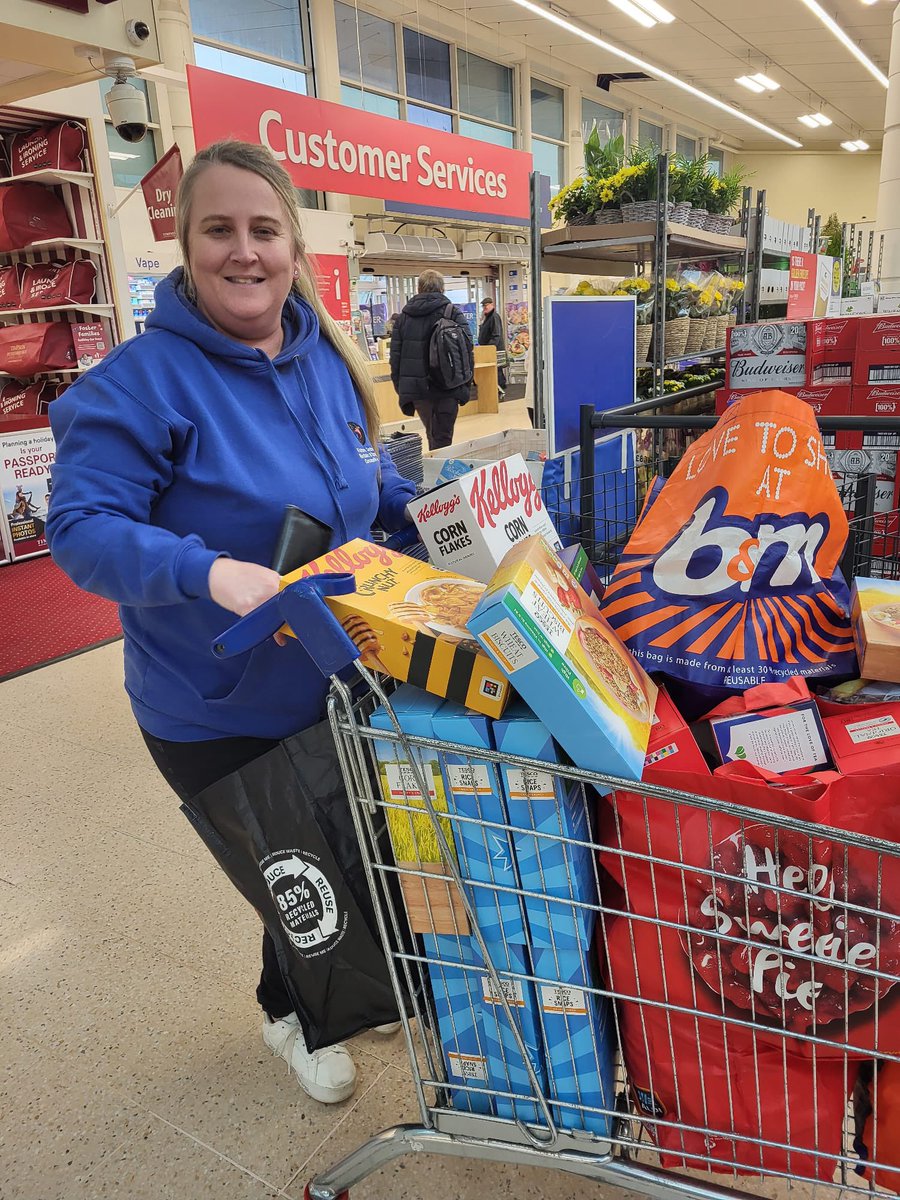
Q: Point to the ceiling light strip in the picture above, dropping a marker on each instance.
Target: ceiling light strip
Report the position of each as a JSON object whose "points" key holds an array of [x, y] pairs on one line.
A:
{"points": [[636, 14], [842, 36], [658, 72], [656, 10]]}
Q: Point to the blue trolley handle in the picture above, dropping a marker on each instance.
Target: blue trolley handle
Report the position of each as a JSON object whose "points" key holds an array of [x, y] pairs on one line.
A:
{"points": [[301, 606]]}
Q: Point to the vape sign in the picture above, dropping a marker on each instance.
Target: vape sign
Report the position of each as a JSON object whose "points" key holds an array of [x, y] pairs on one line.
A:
{"points": [[334, 148]]}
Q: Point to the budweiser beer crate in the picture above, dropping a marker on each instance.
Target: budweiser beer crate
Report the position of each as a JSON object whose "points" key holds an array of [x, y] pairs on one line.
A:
{"points": [[877, 360], [824, 401], [468, 524], [831, 350], [769, 355]]}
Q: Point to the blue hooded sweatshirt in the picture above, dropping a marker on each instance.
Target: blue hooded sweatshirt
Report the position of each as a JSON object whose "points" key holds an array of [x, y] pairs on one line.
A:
{"points": [[184, 445]]}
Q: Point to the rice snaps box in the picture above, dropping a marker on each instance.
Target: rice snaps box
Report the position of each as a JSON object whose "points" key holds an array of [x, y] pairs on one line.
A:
{"points": [[433, 905], [456, 987], [580, 1041], [485, 851], [730, 578], [766, 356], [565, 661], [470, 523], [875, 607], [409, 621]]}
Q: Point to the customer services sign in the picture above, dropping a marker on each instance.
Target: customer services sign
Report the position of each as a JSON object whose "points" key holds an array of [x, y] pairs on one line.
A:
{"points": [[333, 148]]}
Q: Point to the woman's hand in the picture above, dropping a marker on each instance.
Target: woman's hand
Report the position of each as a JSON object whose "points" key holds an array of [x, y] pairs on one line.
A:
{"points": [[241, 586]]}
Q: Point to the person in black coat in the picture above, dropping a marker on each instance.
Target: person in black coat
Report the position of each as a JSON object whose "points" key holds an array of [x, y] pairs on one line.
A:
{"points": [[490, 333], [410, 340]]}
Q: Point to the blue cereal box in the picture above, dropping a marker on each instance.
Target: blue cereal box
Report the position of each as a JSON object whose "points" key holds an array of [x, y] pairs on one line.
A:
{"points": [[540, 803], [566, 661], [433, 905], [485, 853], [579, 1039], [506, 1067], [457, 991]]}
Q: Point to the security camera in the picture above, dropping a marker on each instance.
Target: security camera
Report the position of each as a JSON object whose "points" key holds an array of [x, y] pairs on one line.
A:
{"points": [[127, 110], [137, 32]]}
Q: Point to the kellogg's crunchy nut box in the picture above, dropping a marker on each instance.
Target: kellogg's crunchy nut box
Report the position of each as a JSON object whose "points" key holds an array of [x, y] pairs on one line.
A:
{"points": [[470, 523], [566, 662], [408, 620]]}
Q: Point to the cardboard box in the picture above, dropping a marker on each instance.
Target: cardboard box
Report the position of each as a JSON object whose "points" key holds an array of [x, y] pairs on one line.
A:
{"points": [[867, 740], [543, 809], [672, 746], [785, 739], [875, 612], [456, 987], [566, 662], [857, 306], [876, 401], [887, 303], [409, 620], [877, 369], [486, 856], [469, 524], [432, 905], [768, 355], [830, 351], [825, 401], [507, 1071], [878, 335], [587, 578], [579, 1036]]}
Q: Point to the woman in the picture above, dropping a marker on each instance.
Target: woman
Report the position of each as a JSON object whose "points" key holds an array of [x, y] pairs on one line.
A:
{"points": [[176, 456]]}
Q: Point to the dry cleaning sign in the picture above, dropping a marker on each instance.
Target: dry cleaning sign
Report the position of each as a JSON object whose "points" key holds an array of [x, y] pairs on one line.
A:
{"points": [[305, 900]]}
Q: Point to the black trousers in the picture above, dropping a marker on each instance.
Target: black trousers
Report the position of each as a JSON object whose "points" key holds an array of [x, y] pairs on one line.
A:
{"points": [[189, 767], [438, 414]]}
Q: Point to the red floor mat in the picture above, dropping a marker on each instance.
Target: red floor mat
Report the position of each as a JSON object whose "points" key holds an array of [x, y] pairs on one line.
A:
{"points": [[44, 616]]}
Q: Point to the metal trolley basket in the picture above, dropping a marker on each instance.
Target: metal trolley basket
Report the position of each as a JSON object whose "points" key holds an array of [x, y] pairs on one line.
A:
{"points": [[777, 1113]]}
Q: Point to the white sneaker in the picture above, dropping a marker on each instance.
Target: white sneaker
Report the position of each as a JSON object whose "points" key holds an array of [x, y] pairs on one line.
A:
{"points": [[328, 1075], [386, 1030]]}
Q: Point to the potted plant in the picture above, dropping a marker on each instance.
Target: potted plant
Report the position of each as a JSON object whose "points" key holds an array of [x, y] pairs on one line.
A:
{"points": [[637, 185], [575, 203], [684, 175], [725, 198], [705, 190], [678, 321], [642, 290], [699, 300]]}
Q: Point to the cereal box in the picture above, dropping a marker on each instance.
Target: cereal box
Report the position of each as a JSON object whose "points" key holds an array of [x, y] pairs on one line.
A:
{"points": [[875, 610], [566, 662], [456, 987], [470, 523], [408, 620]]}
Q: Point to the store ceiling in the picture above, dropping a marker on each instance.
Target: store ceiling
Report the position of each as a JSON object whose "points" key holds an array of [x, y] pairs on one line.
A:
{"points": [[710, 44]]}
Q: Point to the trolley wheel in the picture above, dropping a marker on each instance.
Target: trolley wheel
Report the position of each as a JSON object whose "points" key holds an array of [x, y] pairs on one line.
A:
{"points": [[307, 1195]]}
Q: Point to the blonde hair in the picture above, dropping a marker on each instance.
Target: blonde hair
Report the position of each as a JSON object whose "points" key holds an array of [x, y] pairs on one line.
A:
{"points": [[249, 157], [430, 281]]}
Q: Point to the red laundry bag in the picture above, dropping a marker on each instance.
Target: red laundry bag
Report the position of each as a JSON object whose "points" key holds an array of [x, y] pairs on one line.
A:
{"points": [[11, 286], [31, 349], [714, 1095], [877, 1112], [57, 147], [46, 285], [30, 212], [794, 931]]}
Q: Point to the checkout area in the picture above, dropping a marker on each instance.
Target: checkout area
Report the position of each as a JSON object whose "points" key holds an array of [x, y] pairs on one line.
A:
{"points": [[487, 399]]}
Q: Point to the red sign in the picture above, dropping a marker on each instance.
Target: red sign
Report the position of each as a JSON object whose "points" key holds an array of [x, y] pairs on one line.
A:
{"points": [[90, 343], [333, 148], [159, 186], [333, 278]]}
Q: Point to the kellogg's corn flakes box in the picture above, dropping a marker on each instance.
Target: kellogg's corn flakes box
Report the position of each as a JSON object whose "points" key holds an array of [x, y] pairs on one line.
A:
{"points": [[566, 662], [408, 620]]}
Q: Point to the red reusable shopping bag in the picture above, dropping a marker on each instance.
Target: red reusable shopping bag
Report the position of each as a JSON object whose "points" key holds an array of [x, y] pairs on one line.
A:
{"points": [[55, 147], [22, 399], [11, 286], [30, 212], [27, 350], [877, 1105], [46, 285]]}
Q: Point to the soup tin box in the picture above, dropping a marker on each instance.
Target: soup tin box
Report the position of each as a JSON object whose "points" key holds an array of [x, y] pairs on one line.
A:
{"points": [[566, 662], [408, 619], [875, 611]]}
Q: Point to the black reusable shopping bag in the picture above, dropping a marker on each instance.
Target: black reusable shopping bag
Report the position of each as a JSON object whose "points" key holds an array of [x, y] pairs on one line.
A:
{"points": [[282, 830]]}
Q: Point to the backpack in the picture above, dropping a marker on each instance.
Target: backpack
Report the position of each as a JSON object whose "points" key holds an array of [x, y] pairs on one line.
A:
{"points": [[451, 362]]}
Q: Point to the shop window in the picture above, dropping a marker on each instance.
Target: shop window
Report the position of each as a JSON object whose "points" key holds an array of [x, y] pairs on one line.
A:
{"points": [[549, 159], [427, 64], [686, 146], [610, 122], [270, 27], [372, 102], [130, 161], [650, 135], [367, 47], [243, 66], [716, 161], [486, 133], [485, 88], [547, 111], [433, 118]]}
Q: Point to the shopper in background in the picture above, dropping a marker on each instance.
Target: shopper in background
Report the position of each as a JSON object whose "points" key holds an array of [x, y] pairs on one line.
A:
{"points": [[411, 343], [176, 457], [490, 333]]}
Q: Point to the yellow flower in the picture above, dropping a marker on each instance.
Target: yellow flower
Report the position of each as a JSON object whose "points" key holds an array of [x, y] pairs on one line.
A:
{"points": [[671, 285]]}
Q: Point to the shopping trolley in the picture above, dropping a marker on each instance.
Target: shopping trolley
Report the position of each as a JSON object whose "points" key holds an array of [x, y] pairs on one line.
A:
{"points": [[516, 1060]]}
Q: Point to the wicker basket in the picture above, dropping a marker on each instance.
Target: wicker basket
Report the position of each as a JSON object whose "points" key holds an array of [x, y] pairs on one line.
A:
{"points": [[581, 219], [711, 334], [732, 320], [677, 331], [643, 338], [721, 331], [696, 334], [697, 218], [607, 216], [682, 213]]}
